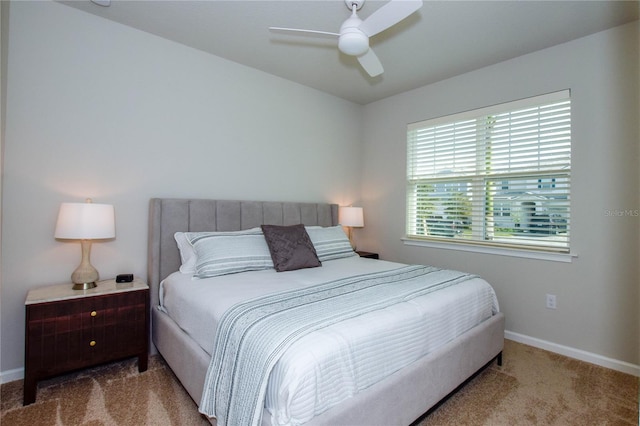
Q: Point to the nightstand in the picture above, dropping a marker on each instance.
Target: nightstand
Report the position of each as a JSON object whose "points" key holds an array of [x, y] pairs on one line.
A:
{"points": [[71, 329], [368, 254]]}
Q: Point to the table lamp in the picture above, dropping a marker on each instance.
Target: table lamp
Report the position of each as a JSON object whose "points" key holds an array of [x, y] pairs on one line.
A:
{"points": [[351, 217], [85, 222]]}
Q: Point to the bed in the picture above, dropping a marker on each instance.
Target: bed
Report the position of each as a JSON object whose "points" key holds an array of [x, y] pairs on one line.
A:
{"points": [[418, 376]]}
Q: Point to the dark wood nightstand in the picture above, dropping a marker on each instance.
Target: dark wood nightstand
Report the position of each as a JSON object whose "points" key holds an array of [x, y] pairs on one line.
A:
{"points": [[71, 329], [368, 254]]}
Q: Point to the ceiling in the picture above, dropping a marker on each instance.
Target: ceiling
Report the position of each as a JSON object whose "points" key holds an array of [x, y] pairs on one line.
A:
{"points": [[441, 40]]}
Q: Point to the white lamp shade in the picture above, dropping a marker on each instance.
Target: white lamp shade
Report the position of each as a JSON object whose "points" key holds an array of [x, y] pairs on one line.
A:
{"points": [[351, 216], [85, 221]]}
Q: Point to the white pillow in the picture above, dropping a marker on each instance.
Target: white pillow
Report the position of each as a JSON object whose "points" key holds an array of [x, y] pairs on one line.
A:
{"points": [[330, 242], [187, 253], [221, 253]]}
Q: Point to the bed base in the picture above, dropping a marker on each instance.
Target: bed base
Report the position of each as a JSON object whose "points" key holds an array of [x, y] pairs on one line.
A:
{"points": [[419, 420], [397, 400]]}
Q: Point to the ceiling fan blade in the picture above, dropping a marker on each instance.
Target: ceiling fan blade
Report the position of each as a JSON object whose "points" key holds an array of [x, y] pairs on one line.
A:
{"points": [[371, 64], [389, 15], [303, 31]]}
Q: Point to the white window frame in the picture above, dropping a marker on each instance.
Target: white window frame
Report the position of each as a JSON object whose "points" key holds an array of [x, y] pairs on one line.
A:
{"points": [[479, 182]]}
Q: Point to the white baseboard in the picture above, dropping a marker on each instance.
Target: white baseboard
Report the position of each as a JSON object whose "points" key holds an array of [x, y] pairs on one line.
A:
{"points": [[12, 375], [579, 354]]}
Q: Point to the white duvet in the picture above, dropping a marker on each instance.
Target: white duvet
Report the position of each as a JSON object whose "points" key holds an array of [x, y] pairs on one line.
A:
{"points": [[332, 364]]}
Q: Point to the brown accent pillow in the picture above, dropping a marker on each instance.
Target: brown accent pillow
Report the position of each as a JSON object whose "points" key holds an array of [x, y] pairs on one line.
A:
{"points": [[290, 247]]}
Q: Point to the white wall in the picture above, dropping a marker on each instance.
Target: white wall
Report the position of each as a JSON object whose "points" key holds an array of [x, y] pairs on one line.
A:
{"points": [[597, 293], [96, 109]]}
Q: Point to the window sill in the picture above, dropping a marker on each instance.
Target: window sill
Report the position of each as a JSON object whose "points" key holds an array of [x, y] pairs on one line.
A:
{"points": [[528, 254]]}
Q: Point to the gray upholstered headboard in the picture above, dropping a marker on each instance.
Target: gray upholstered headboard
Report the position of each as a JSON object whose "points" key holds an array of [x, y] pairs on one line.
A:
{"points": [[170, 215]]}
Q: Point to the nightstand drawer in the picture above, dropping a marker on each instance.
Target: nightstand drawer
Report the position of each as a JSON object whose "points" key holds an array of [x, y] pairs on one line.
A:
{"points": [[86, 313]]}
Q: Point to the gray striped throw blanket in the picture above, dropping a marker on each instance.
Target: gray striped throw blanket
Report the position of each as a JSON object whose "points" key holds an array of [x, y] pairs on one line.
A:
{"points": [[253, 335]]}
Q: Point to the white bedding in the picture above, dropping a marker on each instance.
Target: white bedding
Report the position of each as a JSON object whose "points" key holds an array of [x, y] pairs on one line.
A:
{"points": [[312, 376]]}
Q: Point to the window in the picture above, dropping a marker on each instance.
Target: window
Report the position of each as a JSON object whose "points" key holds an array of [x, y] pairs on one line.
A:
{"points": [[496, 176]]}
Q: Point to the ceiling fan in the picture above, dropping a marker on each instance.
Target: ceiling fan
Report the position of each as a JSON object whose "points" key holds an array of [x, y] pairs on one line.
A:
{"points": [[353, 38]]}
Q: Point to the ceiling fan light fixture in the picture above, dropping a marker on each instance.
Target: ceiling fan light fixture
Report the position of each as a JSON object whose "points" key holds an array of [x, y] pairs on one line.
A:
{"points": [[353, 42]]}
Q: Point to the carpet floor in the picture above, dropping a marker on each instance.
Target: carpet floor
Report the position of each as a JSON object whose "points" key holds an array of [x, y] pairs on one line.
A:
{"points": [[532, 387]]}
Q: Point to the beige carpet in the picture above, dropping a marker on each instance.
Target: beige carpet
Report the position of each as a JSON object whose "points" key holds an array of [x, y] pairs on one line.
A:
{"points": [[533, 387]]}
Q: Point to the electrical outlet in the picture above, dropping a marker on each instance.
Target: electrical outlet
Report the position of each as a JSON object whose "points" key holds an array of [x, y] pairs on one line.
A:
{"points": [[551, 301]]}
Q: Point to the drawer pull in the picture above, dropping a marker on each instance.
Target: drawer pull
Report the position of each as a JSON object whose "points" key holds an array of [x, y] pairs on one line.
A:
{"points": [[92, 343], [94, 313]]}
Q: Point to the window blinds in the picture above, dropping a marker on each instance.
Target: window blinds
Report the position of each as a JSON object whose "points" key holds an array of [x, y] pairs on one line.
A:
{"points": [[499, 175]]}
